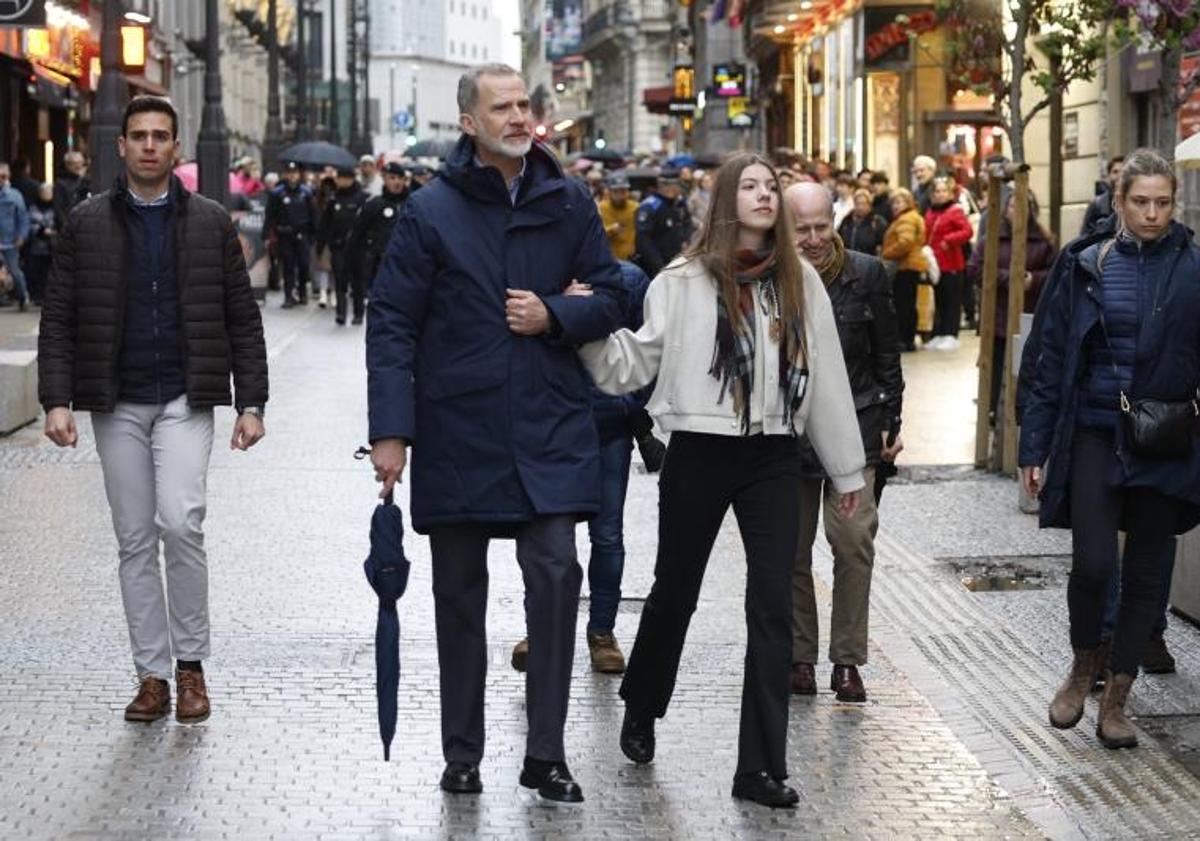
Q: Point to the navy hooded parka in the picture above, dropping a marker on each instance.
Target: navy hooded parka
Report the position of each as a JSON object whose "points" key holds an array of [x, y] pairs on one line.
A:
{"points": [[1166, 367], [500, 424]]}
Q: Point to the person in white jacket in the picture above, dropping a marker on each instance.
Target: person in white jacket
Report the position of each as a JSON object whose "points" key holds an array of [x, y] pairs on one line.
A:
{"points": [[741, 337]]}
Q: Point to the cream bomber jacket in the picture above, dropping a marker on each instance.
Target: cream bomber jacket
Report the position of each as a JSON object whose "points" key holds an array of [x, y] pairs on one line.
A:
{"points": [[675, 344]]}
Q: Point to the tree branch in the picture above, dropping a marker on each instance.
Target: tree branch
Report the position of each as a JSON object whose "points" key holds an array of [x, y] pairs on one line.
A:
{"points": [[1036, 109]]}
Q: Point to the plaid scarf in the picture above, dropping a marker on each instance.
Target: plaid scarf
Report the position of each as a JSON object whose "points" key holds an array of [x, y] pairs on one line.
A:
{"points": [[733, 353]]}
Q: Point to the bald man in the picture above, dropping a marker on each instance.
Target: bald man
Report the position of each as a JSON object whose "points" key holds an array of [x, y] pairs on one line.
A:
{"points": [[861, 296]]}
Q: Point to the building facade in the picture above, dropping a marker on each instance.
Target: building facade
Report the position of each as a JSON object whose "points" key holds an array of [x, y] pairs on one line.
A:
{"points": [[629, 46], [418, 51]]}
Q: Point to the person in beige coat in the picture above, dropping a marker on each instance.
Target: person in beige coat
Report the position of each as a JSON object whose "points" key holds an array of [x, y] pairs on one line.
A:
{"points": [[741, 337]]}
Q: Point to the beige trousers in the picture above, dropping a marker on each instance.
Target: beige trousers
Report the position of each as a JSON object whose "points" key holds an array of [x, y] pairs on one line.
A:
{"points": [[853, 544]]}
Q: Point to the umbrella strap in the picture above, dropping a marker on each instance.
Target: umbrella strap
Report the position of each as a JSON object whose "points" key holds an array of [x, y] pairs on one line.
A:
{"points": [[360, 454]]}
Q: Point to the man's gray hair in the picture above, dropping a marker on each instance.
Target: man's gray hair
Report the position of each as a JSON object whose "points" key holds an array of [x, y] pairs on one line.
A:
{"points": [[468, 83]]}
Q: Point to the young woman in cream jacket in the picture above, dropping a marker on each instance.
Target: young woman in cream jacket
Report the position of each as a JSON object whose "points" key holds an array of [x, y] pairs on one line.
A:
{"points": [[741, 337]]}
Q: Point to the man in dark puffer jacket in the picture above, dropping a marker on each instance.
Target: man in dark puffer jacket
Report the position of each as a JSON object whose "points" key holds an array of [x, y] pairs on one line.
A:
{"points": [[147, 313]]}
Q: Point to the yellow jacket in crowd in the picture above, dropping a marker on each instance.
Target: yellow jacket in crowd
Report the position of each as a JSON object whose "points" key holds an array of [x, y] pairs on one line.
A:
{"points": [[903, 241], [619, 224]]}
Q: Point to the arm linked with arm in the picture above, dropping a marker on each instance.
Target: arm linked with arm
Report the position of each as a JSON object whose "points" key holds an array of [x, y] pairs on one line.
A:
{"points": [[626, 360], [584, 318]]}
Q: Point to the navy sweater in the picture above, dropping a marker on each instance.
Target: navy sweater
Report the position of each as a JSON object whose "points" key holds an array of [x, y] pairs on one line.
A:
{"points": [[151, 361]]}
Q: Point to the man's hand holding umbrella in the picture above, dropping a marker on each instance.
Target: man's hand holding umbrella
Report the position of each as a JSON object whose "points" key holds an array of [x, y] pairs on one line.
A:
{"points": [[389, 457]]}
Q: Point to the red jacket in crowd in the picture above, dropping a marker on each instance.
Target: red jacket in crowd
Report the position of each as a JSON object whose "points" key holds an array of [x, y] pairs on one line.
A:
{"points": [[947, 231]]}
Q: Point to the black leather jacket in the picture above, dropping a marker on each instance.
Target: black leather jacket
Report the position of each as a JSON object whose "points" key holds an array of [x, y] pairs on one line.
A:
{"points": [[866, 319]]}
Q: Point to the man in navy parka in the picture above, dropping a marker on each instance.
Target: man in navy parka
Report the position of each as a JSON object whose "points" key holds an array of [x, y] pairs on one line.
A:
{"points": [[471, 362]]}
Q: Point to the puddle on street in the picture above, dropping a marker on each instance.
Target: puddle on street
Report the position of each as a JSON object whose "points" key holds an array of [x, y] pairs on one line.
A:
{"points": [[1017, 581]]}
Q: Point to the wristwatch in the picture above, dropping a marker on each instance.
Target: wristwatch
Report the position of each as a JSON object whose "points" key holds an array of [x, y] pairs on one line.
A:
{"points": [[257, 411]]}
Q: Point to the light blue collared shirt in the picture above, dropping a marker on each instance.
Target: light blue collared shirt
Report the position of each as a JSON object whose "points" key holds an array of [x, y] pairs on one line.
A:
{"points": [[155, 202]]}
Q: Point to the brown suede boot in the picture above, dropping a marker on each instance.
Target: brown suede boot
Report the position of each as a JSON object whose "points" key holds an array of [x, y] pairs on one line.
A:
{"points": [[1113, 727], [1067, 707], [605, 653], [152, 701], [191, 705]]}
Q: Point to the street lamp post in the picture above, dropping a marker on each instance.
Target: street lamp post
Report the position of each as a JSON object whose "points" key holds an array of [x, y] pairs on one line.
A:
{"points": [[368, 140], [110, 101], [273, 135], [212, 146], [352, 69], [416, 68], [333, 83], [301, 71]]}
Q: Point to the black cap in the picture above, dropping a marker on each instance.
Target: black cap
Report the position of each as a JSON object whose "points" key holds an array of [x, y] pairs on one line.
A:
{"points": [[394, 168], [668, 174], [346, 171]]}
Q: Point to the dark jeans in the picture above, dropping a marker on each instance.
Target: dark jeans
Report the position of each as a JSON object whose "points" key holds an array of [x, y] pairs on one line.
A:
{"points": [[1114, 596], [546, 553], [37, 270], [970, 299], [293, 255], [948, 298], [904, 292], [1100, 510], [346, 276], [607, 533], [702, 476]]}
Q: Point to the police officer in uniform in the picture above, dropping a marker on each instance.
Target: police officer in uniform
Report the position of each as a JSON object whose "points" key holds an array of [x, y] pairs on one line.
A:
{"points": [[374, 226], [664, 224], [291, 217], [337, 224]]}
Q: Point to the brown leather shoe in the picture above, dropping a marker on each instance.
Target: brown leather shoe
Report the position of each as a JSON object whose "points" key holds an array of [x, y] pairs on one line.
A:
{"points": [[1113, 727], [845, 681], [606, 654], [191, 704], [520, 654], [1066, 708], [804, 679], [152, 701]]}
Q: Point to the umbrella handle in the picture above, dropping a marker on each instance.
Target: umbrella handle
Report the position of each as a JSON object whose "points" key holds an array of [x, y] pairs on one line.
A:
{"points": [[360, 454]]}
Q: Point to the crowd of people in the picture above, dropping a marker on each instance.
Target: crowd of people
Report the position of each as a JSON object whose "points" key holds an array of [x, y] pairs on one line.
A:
{"points": [[526, 327]]}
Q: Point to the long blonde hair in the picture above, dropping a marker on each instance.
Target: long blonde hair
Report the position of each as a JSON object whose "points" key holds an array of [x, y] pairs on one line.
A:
{"points": [[718, 244]]}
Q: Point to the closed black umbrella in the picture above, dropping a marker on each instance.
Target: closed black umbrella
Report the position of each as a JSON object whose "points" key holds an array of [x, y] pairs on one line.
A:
{"points": [[387, 571], [319, 153]]}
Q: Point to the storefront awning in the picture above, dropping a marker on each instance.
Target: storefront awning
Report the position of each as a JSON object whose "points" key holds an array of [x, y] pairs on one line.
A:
{"points": [[658, 100]]}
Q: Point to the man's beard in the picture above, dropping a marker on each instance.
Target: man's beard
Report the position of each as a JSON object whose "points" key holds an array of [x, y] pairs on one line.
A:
{"points": [[497, 146]]}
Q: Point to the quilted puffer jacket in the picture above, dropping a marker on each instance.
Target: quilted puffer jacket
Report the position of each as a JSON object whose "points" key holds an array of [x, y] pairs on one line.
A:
{"points": [[84, 309]]}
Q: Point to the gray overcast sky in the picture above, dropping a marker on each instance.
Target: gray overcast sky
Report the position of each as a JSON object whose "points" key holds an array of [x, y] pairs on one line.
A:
{"points": [[510, 18]]}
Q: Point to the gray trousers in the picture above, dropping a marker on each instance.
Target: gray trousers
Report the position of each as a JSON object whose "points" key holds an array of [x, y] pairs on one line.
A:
{"points": [[550, 567], [853, 545], [155, 462]]}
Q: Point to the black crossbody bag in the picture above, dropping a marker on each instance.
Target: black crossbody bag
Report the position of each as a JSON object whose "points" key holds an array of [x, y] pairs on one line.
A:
{"points": [[1156, 429]]}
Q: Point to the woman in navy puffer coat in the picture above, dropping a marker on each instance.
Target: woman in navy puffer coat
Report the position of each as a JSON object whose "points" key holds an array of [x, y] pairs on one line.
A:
{"points": [[1123, 321]]}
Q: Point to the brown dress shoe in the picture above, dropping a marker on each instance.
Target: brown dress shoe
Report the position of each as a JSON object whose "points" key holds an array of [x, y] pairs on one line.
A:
{"points": [[191, 704], [606, 654], [1113, 727], [152, 701], [1067, 706], [520, 654], [845, 681], [804, 679]]}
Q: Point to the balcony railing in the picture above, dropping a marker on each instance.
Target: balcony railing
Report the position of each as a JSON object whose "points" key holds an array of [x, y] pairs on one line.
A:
{"points": [[626, 12]]}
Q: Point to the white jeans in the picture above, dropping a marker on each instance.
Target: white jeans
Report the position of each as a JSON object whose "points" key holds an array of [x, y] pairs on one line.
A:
{"points": [[155, 461]]}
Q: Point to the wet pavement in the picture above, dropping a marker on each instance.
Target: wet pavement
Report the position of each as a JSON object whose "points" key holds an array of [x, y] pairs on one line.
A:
{"points": [[952, 743]]}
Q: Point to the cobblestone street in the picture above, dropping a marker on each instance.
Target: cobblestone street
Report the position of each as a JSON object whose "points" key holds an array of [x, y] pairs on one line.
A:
{"points": [[953, 742]]}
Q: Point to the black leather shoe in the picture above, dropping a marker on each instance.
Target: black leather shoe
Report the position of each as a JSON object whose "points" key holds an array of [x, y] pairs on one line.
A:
{"points": [[461, 778], [637, 738], [847, 683], [552, 780], [762, 788]]}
